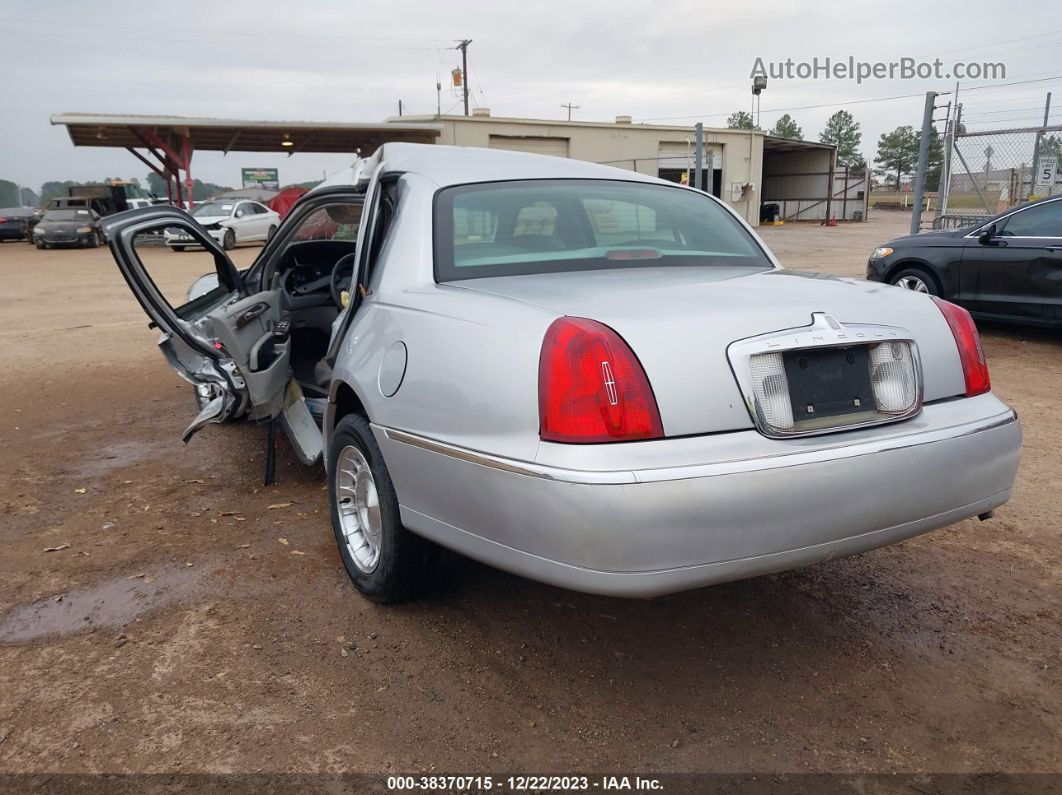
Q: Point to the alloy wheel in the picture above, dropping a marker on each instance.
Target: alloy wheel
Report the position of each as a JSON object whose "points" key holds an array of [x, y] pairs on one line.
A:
{"points": [[358, 508], [912, 283]]}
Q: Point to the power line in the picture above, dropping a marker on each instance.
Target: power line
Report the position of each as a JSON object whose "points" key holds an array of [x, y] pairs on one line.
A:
{"points": [[846, 103], [989, 46]]}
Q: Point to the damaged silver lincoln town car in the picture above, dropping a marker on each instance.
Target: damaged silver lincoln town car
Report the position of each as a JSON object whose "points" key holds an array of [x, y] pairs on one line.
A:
{"points": [[579, 374]]}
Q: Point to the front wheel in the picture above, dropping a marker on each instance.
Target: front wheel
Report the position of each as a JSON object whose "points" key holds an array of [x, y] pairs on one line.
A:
{"points": [[915, 280], [41, 244], [229, 241], [384, 560]]}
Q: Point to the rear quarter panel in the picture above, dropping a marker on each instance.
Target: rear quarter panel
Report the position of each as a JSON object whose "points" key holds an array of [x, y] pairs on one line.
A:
{"points": [[471, 374]]}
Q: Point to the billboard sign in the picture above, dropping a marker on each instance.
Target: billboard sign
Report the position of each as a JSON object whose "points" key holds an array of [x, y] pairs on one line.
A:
{"points": [[263, 178]]}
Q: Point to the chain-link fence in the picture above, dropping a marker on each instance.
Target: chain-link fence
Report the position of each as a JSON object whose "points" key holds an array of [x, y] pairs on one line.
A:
{"points": [[986, 171]]}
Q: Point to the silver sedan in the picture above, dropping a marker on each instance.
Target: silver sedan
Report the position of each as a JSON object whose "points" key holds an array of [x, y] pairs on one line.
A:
{"points": [[582, 375]]}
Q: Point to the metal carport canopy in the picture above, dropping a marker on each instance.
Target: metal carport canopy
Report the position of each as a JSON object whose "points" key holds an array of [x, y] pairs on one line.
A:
{"points": [[169, 141], [243, 135]]}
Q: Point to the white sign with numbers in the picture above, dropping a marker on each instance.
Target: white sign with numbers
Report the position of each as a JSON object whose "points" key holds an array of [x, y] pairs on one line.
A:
{"points": [[1046, 172]]}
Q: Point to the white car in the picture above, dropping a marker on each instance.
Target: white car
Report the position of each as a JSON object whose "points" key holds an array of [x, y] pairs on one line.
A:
{"points": [[229, 223]]}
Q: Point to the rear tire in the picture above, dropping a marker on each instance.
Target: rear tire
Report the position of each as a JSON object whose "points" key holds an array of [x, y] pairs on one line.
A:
{"points": [[917, 280], [269, 235], [384, 560]]}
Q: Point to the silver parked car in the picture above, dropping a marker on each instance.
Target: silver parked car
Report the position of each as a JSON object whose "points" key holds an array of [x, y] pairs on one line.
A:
{"points": [[580, 374]]}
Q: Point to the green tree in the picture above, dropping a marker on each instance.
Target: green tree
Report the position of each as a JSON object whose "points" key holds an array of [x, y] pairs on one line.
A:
{"points": [[786, 127], [29, 198], [935, 160], [201, 191], [1051, 145], [55, 189], [843, 132], [740, 121], [897, 154], [156, 184], [9, 194]]}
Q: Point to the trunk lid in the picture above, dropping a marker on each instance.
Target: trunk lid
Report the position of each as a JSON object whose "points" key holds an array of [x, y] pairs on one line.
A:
{"points": [[680, 321]]}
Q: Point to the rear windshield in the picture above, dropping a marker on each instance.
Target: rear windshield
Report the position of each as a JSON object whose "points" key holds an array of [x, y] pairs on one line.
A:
{"points": [[551, 226]]}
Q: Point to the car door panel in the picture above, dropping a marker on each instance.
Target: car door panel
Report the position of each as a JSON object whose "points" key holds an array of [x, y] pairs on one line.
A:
{"points": [[210, 340], [1002, 279], [1018, 266], [1045, 276], [244, 327], [261, 221]]}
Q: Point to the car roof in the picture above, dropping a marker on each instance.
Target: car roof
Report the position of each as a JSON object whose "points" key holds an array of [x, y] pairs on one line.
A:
{"points": [[460, 165]]}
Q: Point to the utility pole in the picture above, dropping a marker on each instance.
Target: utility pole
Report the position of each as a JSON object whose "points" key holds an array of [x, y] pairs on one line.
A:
{"points": [[463, 47], [438, 97], [923, 160], [1036, 147], [945, 168], [399, 107], [570, 107], [698, 155]]}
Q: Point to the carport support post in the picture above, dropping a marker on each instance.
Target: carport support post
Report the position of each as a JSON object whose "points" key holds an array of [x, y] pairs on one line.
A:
{"points": [[698, 156], [186, 154], [923, 160]]}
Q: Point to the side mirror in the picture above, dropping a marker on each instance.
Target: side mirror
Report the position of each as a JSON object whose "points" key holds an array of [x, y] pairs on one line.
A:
{"points": [[239, 213], [987, 236]]}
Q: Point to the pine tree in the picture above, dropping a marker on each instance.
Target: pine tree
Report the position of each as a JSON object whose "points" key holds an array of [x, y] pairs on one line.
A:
{"points": [[843, 132], [786, 127]]}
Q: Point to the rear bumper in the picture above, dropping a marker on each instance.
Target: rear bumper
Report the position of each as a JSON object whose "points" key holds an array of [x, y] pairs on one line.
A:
{"points": [[708, 509]]}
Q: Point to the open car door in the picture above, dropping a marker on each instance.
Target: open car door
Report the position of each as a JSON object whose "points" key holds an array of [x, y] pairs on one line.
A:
{"points": [[231, 343]]}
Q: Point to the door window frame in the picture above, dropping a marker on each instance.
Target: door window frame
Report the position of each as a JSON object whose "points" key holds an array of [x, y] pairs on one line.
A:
{"points": [[151, 299]]}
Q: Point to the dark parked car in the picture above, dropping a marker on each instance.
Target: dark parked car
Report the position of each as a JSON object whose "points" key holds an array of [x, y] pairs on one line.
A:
{"points": [[68, 227], [16, 223], [1007, 268]]}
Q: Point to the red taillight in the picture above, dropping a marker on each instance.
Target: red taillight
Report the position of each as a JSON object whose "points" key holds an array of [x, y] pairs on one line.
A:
{"points": [[968, 341], [591, 387]]}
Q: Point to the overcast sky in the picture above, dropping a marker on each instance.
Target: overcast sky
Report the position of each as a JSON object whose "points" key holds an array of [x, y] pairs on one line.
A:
{"points": [[352, 61]]}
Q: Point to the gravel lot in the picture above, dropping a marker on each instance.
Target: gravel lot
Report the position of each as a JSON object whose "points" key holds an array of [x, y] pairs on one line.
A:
{"points": [[190, 620]]}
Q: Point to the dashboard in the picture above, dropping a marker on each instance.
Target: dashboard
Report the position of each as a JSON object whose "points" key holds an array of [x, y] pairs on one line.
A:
{"points": [[306, 269]]}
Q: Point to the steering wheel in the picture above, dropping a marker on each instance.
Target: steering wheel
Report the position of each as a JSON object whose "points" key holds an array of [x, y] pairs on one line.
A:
{"points": [[340, 281]]}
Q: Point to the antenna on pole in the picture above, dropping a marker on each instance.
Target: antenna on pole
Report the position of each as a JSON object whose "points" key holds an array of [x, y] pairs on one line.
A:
{"points": [[570, 108], [463, 47]]}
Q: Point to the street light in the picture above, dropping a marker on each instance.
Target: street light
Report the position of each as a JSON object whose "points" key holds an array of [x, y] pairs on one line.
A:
{"points": [[759, 85]]}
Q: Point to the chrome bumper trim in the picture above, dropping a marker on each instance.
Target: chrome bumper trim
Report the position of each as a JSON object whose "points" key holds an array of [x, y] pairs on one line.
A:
{"points": [[705, 470]]}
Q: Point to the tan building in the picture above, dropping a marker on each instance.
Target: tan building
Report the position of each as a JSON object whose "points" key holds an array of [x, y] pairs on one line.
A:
{"points": [[797, 172]]}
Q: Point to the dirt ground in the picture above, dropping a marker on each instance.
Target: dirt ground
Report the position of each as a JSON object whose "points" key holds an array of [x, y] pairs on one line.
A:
{"points": [[190, 620]]}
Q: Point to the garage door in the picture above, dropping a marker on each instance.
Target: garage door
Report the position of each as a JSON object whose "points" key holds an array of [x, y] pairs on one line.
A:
{"points": [[558, 147]]}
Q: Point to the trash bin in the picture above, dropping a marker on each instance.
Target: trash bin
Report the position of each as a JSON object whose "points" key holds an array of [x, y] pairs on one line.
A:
{"points": [[769, 213]]}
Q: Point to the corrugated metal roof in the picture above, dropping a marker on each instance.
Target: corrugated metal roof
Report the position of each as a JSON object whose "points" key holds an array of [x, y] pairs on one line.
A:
{"points": [[242, 135]]}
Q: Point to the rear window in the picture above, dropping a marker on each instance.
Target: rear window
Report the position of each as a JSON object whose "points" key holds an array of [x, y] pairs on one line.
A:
{"points": [[550, 226]]}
